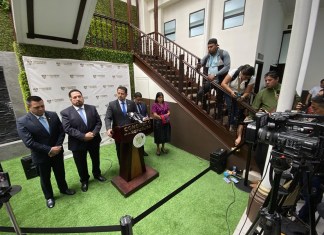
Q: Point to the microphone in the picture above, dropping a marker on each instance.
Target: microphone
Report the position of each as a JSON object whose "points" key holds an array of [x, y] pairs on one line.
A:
{"points": [[135, 117]]}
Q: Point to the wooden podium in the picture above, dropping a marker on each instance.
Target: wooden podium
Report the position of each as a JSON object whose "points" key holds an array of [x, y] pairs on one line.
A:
{"points": [[133, 173]]}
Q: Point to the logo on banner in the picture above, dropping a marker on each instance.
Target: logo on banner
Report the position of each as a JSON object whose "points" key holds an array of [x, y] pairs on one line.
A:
{"points": [[50, 76], [55, 100], [85, 97], [64, 63], [119, 76], [36, 89], [106, 65], [90, 87], [76, 75], [98, 76], [82, 65], [105, 86], [101, 96], [36, 62], [67, 87]]}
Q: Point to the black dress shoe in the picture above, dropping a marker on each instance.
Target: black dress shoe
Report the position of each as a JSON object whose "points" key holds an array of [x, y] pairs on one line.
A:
{"points": [[50, 202], [84, 187], [100, 178], [69, 192], [145, 154]]}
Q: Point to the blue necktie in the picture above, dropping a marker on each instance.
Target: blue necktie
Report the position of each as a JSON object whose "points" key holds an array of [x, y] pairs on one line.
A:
{"points": [[44, 123], [139, 108], [82, 115], [123, 107]]}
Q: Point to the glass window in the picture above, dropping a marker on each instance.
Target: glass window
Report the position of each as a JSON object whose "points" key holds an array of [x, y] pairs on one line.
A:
{"points": [[170, 29], [196, 23], [233, 13]]}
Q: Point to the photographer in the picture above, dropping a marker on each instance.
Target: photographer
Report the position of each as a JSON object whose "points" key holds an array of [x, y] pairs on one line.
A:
{"points": [[239, 83], [318, 179]]}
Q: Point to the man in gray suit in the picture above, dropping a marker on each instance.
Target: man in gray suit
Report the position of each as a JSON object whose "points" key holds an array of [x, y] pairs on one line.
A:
{"points": [[116, 114], [42, 132], [82, 123]]}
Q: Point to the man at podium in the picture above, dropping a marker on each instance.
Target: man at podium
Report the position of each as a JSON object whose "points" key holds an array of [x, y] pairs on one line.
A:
{"points": [[116, 114]]}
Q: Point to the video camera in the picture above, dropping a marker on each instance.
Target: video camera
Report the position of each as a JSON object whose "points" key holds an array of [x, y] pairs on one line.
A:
{"points": [[5, 184], [292, 134]]}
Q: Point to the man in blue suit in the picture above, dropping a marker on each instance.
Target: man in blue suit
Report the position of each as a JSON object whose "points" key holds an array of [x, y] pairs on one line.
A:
{"points": [[141, 108], [116, 114], [82, 124], [42, 132]]}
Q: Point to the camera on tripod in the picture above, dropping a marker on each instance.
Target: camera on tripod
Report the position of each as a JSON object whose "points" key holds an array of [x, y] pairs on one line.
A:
{"points": [[5, 185], [288, 133]]}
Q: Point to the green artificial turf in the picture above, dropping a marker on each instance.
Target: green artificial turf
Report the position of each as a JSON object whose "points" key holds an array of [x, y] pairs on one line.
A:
{"points": [[199, 209]]}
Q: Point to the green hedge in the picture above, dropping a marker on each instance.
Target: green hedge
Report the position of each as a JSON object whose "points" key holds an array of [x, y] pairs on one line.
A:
{"points": [[6, 30], [87, 53], [120, 10], [100, 33]]}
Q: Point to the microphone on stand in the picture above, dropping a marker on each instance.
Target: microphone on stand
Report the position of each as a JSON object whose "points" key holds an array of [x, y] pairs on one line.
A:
{"points": [[135, 117]]}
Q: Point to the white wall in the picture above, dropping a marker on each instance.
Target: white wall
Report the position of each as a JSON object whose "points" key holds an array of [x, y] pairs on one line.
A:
{"points": [[270, 34], [147, 86], [264, 22], [315, 70]]}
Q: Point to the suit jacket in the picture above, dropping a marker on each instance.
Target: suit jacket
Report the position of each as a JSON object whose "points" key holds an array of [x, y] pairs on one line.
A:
{"points": [[115, 116], [35, 136], [143, 110], [76, 129]]}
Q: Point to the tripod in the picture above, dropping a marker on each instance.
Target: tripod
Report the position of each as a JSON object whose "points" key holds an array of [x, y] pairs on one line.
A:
{"points": [[5, 200], [268, 218]]}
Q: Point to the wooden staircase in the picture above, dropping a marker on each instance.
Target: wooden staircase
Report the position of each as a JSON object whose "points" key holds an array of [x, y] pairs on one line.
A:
{"points": [[170, 66]]}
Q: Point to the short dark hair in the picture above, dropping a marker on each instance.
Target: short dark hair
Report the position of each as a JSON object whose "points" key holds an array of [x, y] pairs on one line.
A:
{"points": [[247, 70], [272, 74], [322, 80], [122, 88], [158, 95], [34, 98], [137, 94], [212, 41], [74, 90], [318, 100]]}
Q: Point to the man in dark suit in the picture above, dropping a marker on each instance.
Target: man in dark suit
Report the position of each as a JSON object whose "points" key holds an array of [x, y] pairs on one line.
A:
{"points": [[141, 108], [82, 124], [116, 114], [42, 132]]}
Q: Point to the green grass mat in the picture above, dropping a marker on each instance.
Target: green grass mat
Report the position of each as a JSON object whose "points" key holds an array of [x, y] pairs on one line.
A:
{"points": [[199, 209]]}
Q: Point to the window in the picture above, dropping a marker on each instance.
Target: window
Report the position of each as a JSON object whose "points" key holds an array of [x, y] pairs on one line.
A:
{"points": [[233, 13], [170, 29], [196, 23]]}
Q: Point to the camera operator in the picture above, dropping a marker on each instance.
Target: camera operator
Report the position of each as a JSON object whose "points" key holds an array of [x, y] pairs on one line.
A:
{"points": [[317, 105], [266, 101]]}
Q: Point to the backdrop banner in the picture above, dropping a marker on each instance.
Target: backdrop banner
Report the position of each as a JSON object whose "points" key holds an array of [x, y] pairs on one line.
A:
{"points": [[52, 79]]}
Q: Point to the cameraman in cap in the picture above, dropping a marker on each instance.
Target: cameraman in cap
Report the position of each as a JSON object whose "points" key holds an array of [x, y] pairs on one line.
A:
{"points": [[216, 65]]}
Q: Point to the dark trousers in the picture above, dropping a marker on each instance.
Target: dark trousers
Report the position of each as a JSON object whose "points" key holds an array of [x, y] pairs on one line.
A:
{"points": [[44, 170], [118, 151], [80, 159], [317, 195], [206, 87]]}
